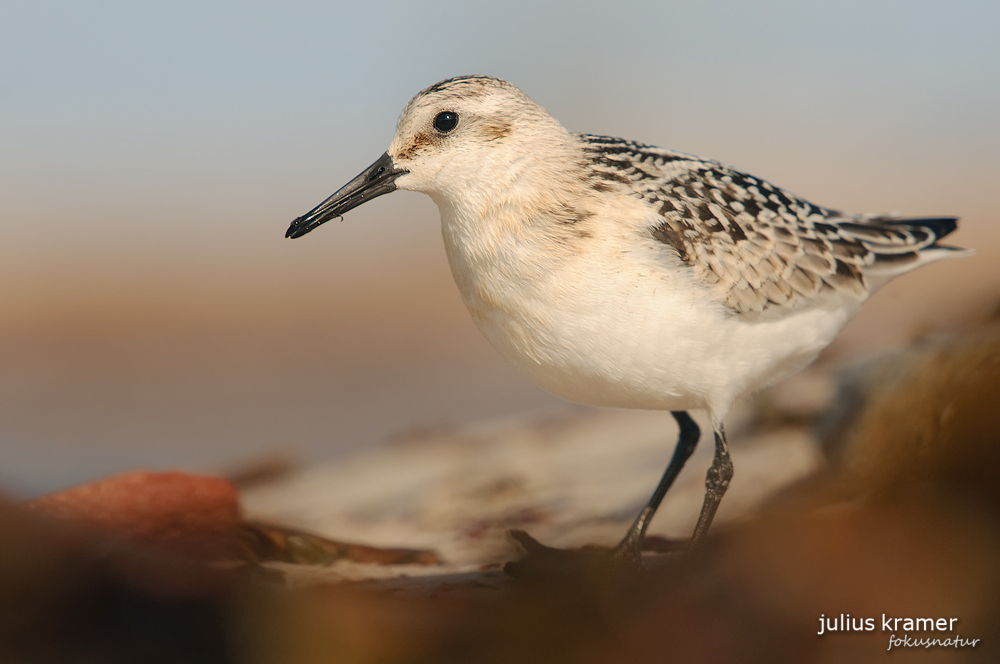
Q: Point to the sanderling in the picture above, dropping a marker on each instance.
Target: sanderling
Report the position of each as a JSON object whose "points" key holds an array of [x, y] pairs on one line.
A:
{"points": [[615, 273]]}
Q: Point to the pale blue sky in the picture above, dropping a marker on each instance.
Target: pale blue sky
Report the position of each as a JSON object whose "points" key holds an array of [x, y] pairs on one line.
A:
{"points": [[115, 113]]}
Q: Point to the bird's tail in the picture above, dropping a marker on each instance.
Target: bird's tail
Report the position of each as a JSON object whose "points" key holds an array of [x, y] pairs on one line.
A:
{"points": [[900, 245]]}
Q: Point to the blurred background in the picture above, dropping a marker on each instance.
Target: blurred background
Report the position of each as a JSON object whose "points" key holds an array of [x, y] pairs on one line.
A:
{"points": [[151, 157]]}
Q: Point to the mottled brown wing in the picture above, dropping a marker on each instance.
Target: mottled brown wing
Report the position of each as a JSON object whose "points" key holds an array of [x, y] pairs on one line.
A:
{"points": [[757, 245]]}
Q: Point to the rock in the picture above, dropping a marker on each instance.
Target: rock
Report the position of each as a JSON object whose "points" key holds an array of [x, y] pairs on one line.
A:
{"points": [[194, 515]]}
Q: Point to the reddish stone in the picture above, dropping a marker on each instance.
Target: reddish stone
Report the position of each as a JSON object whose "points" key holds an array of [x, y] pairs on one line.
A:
{"points": [[169, 510]]}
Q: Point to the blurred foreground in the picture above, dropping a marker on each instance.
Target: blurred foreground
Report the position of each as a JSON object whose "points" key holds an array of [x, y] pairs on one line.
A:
{"points": [[903, 522]]}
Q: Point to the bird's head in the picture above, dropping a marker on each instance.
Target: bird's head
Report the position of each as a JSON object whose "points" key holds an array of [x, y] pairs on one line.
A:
{"points": [[463, 137]]}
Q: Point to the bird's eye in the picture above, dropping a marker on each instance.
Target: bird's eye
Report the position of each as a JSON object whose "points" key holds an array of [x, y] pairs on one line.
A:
{"points": [[445, 121]]}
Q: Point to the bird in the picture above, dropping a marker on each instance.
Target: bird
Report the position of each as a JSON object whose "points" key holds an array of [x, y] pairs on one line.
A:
{"points": [[615, 273]]}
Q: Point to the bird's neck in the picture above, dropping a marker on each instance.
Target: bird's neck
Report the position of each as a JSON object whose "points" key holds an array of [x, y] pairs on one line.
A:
{"points": [[504, 215]]}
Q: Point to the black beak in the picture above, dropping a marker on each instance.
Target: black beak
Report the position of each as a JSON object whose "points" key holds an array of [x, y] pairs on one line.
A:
{"points": [[377, 179]]}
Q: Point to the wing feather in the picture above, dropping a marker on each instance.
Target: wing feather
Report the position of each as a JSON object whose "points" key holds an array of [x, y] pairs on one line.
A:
{"points": [[756, 245]]}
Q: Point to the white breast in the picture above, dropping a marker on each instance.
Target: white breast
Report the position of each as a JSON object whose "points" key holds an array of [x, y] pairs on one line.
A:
{"points": [[596, 323]]}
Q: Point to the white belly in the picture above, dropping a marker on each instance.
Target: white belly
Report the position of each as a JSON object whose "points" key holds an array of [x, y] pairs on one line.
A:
{"points": [[630, 331]]}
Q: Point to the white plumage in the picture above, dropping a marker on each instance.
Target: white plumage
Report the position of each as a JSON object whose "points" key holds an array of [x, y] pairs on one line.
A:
{"points": [[619, 274]]}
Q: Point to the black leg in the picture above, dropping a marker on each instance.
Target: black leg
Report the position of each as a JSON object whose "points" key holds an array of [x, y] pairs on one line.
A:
{"points": [[716, 484], [627, 551]]}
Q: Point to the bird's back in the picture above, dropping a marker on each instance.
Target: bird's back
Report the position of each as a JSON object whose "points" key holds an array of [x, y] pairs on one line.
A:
{"points": [[760, 248]]}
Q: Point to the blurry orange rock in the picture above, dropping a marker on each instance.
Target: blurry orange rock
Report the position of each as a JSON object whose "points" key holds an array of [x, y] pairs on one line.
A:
{"points": [[173, 510]]}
